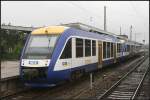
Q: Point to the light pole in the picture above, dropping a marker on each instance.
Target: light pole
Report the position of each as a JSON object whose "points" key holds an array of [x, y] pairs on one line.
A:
{"points": [[144, 46], [131, 32], [136, 35], [105, 29], [120, 30]]}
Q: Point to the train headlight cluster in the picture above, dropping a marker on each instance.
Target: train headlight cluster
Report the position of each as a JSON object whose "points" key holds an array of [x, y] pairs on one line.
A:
{"points": [[22, 62]]}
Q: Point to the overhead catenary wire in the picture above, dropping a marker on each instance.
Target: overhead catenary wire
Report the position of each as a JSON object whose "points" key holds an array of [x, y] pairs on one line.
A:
{"points": [[86, 11], [94, 15]]}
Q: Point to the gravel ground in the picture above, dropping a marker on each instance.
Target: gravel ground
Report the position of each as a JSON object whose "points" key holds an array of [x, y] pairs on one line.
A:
{"points": [[80, 89]]}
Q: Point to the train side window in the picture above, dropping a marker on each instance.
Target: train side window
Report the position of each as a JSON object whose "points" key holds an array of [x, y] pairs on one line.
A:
{"points": [[128, 48], [132, 47], [125, 49], [104, 50], [108, 49], [112, 50], [121, 47], [93, 47], [79, 47], [118, 47], [67, 53], [87, 47]]}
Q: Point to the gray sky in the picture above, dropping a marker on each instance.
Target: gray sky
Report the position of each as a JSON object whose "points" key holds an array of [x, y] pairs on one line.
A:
{"points": [[119, 13]]}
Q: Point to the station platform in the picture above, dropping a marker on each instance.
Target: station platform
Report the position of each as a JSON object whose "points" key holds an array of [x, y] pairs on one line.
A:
{"points": [[9, 69]]}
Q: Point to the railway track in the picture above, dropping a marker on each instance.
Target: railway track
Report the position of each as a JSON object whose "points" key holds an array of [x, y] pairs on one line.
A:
{"points": [[84, 90], [128, 86], [144, 92]]}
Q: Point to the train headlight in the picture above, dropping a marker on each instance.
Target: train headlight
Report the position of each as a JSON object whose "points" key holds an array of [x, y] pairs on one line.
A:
{"points": [[22, 62]]}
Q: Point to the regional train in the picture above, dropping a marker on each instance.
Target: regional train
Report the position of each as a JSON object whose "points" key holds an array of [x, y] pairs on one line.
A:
{"points": [[65, 52]]}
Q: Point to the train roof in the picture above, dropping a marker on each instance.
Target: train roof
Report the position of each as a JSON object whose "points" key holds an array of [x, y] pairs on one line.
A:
{"points": [[88, 28], [133, 43], [84, 34], [104, 35], [59, 29], [81, 26]]}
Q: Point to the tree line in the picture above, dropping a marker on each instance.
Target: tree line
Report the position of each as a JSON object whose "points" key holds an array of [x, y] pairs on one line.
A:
{"points": [[12, 42]]}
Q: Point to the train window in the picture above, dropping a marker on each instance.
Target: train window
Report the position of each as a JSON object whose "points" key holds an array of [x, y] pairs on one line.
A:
{"points": [[132, 47], [128, 48], [125, 49], [67, 53], [112, 50], [118, 46], [104, 50], [87, 47], [79, 47], [93, 47], [108, 49]]}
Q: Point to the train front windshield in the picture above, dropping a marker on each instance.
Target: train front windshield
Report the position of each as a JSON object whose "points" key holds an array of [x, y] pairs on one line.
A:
{"points": [[40, 46]]}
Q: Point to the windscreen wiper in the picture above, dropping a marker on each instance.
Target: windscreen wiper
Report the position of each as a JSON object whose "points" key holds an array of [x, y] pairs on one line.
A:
{"points": [[48, 42]]}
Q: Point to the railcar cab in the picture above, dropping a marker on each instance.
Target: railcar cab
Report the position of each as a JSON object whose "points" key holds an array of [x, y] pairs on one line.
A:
{"points": [[37, 53]]}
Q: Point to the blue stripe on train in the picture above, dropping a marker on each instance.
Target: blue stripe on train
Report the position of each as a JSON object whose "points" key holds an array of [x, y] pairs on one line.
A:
{"points": [[107, 62], [57, 76], [22, 52]]}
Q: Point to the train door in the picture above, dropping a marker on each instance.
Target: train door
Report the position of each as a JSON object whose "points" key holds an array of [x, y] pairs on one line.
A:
{"points": [[115, 52], [99, 54]]}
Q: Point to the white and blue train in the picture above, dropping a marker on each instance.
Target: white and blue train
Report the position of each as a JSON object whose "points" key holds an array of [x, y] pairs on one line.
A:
{"points": [[57, 53]]}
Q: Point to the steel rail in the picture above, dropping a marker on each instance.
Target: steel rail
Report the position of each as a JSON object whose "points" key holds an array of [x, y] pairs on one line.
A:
{"points": [[141, 82], [105, 94]]}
